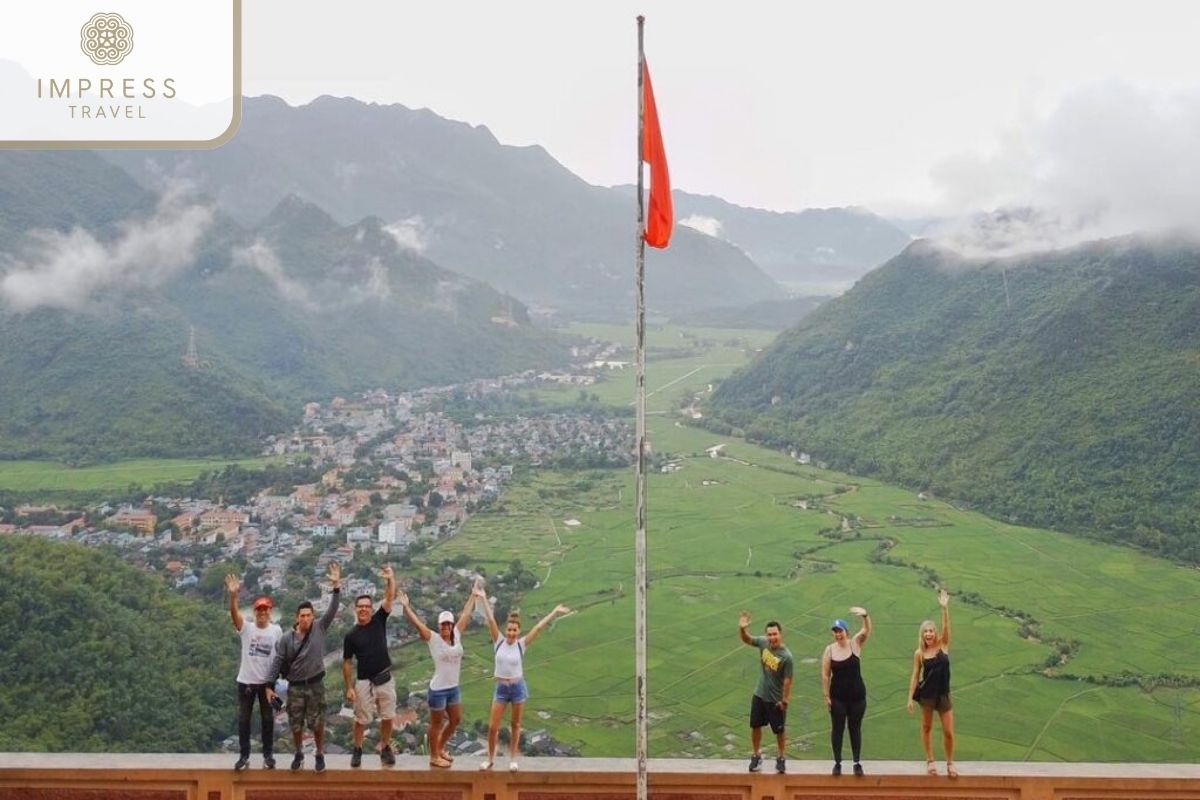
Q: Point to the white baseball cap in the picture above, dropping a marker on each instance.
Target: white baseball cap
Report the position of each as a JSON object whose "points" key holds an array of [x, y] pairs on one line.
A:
{"points": [[445, 616]]}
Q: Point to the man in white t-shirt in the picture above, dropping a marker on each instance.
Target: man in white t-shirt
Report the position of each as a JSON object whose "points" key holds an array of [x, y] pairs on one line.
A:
{"points": [[254, 673]]}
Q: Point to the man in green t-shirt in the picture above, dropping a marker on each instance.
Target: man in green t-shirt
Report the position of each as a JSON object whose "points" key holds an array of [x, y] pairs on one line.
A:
{"points": [[774, 690]]}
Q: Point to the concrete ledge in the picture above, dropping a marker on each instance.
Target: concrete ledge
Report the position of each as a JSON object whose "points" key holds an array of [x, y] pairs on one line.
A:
{"points": [[91, 776]]}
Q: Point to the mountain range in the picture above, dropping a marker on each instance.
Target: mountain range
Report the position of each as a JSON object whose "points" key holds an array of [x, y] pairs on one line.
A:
{"points": [[818, 251], [326, 249], [104, 283], [1056, 389], [511, 216]]}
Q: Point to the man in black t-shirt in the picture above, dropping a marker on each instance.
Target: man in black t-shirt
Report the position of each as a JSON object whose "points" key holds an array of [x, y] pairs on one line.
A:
{"points": [[374, 691]]}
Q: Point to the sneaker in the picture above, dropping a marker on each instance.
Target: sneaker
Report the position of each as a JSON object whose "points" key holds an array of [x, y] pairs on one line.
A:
{"points": [[241, 763], [513, 766], [356, 757], [319, 762], [485, 766], [781, 765], [268, 762], [297, 761], [387, 757], [837, 768], [756, 763], [858, 770]]}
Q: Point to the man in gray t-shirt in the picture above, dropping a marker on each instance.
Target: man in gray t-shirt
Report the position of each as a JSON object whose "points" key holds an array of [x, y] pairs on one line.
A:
{"points": [[769, 704], [302, 651]]}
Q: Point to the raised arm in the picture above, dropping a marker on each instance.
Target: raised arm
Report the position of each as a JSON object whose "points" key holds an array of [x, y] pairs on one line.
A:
{"points": [[743, 624], [944, 602], [232, 584], [493, 628], [464, 618], [861, 636], [912, 681], [543, 622], [826, 675], [389, 589], [422, 629], [335, 599]]}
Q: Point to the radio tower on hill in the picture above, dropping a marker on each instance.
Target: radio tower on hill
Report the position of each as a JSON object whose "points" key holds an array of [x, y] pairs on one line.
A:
{"points": [[191, 358]]}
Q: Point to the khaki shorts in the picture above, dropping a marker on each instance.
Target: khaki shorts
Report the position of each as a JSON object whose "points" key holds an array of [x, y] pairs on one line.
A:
{"points": [[370, 699]]}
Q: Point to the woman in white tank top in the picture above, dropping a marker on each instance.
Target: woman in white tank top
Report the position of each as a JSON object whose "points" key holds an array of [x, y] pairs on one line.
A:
{"points": [[510, 675], [444, 698]]}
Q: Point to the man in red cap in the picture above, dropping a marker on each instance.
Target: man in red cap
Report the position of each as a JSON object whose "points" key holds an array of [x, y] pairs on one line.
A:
{"points": [[253, 679]]}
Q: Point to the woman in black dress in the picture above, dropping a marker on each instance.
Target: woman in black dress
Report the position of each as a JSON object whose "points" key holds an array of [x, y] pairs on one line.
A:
{"points": [[930, 686], [842, 683]]}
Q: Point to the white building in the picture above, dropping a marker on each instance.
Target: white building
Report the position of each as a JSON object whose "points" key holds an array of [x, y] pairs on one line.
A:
{"points": [[358, 535], [395, 531]]}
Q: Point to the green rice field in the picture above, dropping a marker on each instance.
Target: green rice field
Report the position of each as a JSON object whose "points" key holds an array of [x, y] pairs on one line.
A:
{"points": [[1063, 649], [49, 476]]}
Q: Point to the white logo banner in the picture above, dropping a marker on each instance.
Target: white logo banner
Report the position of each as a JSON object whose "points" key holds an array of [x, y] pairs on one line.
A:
{"points": [[132, 73]]}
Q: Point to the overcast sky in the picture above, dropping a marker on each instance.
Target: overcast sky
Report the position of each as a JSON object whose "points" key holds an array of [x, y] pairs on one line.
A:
{"points": [[904, 107]]}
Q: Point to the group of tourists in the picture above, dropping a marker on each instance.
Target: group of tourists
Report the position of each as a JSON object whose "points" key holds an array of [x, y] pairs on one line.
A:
{"points": [[845, 692], [269, 654], [298, 656]]}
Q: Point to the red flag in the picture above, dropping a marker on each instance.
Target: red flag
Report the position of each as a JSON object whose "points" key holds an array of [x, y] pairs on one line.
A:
{"points": [[660, 217]]}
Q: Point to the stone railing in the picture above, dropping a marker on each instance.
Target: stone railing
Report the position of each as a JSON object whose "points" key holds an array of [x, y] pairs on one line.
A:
{"points": [[91, 776]]}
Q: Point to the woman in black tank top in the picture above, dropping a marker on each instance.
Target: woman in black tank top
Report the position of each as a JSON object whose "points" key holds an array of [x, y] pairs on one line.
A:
{"points": [[930, 686], [845, 692]]}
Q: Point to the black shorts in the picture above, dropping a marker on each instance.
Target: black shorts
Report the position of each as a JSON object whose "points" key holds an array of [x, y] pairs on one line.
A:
{"points": [[763, 713], [941, 703]]}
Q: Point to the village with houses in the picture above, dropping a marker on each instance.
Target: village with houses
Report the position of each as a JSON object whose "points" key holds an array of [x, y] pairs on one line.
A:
{"points": [[389, 476]]}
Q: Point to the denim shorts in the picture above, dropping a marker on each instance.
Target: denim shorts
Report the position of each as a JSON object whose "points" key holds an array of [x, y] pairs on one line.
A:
{"points": [[511, 692], [438, 699]]}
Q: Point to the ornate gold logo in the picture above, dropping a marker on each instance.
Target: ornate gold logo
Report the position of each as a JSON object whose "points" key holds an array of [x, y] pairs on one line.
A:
{"points": [[106, 38]]}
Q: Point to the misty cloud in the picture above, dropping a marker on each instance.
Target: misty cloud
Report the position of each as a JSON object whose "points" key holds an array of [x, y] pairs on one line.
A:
{"points": [[708, 225], [261, 257], [348, 285], [1110, 160], [377, 286], [411, 234], [65, 270]]}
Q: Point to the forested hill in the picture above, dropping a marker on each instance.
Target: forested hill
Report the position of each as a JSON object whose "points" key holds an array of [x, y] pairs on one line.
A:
{"points": [[1061, 389], [99, 657], [103, 283]]}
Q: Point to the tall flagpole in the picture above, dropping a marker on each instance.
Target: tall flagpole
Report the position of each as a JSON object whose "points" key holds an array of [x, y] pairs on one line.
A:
{"points": [[639, 613]]}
